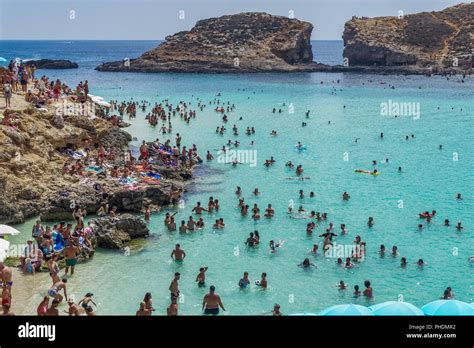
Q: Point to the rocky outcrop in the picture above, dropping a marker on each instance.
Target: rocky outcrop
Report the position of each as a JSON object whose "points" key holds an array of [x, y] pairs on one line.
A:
{"points": [[245, 42], [116, 232], [436, 41], [52, 64], [33, 183]]}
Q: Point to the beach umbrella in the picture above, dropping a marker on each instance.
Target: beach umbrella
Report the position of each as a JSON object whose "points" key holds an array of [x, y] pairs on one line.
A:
{"points": [[4, 246], [395, 308], [448, 307], [346, 309], [6, 230], [304, 314]]}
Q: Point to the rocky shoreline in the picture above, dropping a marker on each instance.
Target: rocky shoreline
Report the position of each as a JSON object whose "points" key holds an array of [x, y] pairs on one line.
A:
{"points": [[32, 181]]}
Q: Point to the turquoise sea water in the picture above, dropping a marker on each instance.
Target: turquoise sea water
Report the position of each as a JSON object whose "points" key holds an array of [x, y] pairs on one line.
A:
{"points": [[429, 180]]}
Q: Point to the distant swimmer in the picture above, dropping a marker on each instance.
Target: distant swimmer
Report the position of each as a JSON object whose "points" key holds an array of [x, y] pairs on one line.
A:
{"points": [[370, 222], [341, 285], [314, 249], [307, 264], [274, 246], [403, 262]]}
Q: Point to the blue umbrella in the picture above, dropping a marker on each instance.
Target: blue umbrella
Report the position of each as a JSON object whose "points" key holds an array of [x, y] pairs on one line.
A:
{"points": [[304, 314], [448, 307], [395, 308], [346, 309]]}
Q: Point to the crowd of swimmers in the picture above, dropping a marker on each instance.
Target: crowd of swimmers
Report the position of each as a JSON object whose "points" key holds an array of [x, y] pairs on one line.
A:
{"points": [[175, 155]]}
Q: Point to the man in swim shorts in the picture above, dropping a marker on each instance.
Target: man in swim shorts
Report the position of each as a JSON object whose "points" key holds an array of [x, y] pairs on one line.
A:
{"points": [[56, 288], [178, 254], [174, 290], [211, 302], [70, 253]]}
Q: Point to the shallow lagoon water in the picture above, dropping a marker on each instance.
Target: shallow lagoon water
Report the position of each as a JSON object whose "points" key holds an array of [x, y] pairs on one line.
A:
{"points": [[429, 180]]}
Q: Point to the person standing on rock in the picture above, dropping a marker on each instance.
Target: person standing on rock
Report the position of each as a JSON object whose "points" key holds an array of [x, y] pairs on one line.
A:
{"points": [[7, 91], [178, 254], [70, 253]]}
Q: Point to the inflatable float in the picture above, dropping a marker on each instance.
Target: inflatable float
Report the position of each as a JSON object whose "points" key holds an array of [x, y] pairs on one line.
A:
{"points": [[363, 171]]}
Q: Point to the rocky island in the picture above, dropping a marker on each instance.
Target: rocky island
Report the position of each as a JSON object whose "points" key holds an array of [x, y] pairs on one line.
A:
{"points": [[245, 42], [429, 41], [423, 43], [53, 64]]}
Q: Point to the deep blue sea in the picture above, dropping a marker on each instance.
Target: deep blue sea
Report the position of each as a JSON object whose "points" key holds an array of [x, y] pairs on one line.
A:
{"points": [[344, 107]]}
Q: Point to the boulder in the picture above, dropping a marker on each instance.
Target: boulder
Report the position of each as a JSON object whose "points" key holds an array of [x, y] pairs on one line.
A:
{"points": [[116, 232]]}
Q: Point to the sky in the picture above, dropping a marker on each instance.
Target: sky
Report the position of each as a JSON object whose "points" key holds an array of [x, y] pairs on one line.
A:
{"points": [[155, 19]]}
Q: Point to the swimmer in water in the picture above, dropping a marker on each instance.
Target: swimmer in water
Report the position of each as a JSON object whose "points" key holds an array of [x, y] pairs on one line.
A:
{"points": [[420, 263], [459, 226], [198, 209], [395, 251], [269, 212], [403, 262], [178, 254], [238, 191], [263, 281], [307, 264], [357, 292], [341, 285], [244, 281], [256, 192], [345, 196], [348, 264], [368, 292], [201, 277], [274, 246]]}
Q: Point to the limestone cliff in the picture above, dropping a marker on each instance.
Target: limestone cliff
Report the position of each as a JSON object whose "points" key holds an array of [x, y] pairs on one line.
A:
{"points": [[438, 40], [245, 42]]}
